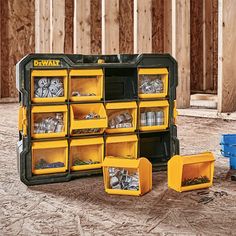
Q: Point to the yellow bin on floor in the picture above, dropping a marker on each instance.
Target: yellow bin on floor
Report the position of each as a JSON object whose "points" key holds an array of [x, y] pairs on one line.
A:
{"points": [[141, 169], [191, 172]]}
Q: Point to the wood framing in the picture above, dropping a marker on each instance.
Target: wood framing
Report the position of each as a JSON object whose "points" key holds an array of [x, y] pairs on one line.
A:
{"points": [[58, 26], [42, 26], [110, 26], [82, 27], [227, 56], [183, 52], [142, 26], [167, 26]]}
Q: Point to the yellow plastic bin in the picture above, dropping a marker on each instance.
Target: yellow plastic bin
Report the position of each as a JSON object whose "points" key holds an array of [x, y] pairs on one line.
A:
{"points": [[122, 117], [153, 115], [86, 153], [49, 157], [49, 121], [86, 85], [122, 146], [127, 176], [153, 82], [191, 172], [48, 86], [87, 119]]}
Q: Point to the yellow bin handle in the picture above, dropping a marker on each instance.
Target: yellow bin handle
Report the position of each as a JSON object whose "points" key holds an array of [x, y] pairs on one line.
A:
{"points": [[22, 120], [175, 112]]}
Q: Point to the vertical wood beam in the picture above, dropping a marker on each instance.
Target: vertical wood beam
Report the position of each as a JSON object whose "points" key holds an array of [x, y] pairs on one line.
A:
{"points": [[183, 52], [207, 45], [82, 27], [42, 26], [58, 26], [110, 26], [226, 56], [142, 26], [168, 26]]}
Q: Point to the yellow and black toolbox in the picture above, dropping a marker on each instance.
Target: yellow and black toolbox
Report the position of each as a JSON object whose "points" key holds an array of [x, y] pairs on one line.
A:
{"points": [[77, 109]]}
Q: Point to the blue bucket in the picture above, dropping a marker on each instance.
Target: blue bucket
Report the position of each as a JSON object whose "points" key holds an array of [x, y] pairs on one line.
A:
{"points": [[228, 145], [232, 162]]}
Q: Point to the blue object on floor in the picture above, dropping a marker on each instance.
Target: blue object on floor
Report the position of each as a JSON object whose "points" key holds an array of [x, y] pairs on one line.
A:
{"points": [[232, 162], [228, 145]]}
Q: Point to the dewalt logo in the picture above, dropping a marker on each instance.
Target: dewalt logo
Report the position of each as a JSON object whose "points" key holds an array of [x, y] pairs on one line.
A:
{"points": [[47, 63]]}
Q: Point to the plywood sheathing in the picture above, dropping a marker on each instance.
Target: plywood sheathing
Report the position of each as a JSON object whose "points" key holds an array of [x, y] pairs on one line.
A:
{"points": [[69, 15], [96, 26], [196, 49], [126, 22], [17, 40], [158, 26]]}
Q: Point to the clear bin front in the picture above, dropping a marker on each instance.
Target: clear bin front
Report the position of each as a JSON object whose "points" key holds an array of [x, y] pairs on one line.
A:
{"points": [[48, 87], [48, 123], [86, 155], [123, 179], [49, 160], [152, 116], [196, 173], [120, 119]]}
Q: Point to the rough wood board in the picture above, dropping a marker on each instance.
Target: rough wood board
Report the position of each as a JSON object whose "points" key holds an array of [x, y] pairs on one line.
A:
{"points": [[69, 15], [215, 43], [126, 22], [82, 27], [207, 45], [110, 35], [4, 32], [96, 26], [167, 26], [42, 26], [144, 26], [183, 52], [227, 57], [157, 26], [81, 207], [58, 26], [196, 48], [17, 41]]}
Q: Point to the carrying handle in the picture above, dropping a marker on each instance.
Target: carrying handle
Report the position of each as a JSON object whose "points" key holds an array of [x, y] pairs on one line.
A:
{"points": [[175, 112], [22, 120]]}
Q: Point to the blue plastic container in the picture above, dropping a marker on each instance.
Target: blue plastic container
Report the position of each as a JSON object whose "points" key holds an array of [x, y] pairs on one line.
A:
{"points": [[228, 145], [232, 162]]}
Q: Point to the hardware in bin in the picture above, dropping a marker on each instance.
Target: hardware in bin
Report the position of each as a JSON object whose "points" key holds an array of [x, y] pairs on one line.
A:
{"points": [[122, 117], [49, 121], [87, 119], [86, 85], [49, 157], [153, 82], [127, 176], [86, 153], [154, 115], [191, 172], [48, 86]]}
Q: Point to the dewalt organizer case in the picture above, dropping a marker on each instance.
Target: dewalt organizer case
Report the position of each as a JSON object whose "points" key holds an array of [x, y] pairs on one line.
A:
{"points": [[77, 109]]}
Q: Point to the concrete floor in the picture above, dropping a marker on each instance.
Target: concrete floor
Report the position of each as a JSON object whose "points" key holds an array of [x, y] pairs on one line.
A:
{"points": [[81, 207]]}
